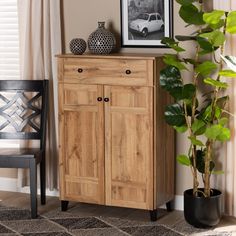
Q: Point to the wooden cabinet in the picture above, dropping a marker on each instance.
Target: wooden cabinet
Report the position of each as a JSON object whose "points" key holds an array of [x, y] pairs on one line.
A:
{"points": [[114, 145]]}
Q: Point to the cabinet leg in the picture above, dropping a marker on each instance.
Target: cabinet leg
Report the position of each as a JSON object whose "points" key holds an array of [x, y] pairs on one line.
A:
{"points": [[153, 215], [64, 205], [170, 206]]}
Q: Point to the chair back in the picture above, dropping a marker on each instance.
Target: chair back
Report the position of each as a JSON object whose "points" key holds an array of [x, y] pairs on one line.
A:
{"points": [[23, 109]]}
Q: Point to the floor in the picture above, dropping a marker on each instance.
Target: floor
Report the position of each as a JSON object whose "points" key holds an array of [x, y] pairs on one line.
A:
{"points": [[21, 200]]}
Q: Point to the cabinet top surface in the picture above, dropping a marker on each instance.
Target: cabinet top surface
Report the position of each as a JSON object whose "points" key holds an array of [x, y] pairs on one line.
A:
{"points": [[113, 56]]}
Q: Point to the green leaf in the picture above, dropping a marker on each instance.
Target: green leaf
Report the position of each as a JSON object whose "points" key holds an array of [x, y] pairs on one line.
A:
{"points": [[198, 127], [218, 112], [228, 73], [174, 115], [205, 45], [216, 37], [221, 102], [185, 38], [174, 61], [185, 92], [167, 41], [224, 135], [205, 113], [181, 129], [170, 42], [215, 83], [195, 141], [189, 107], [177, 93], [218, 132], [231, 23], [191, 15], [189, 91], [223, 121], [200, 162], [189, 60], [185, 2], [184, 160], [206, 68], [219, 25], [213, 131], [170, 78], [213, 17]]}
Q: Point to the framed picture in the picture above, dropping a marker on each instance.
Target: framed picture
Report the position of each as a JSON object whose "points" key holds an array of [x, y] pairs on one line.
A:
{"points": [[144, 23]]}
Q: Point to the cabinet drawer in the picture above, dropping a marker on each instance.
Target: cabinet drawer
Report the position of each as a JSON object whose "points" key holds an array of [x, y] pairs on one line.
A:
{"points": [[108, 71]]}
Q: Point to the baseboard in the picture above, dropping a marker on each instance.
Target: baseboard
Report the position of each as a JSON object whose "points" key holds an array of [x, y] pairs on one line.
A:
{"points": [[54, 193], [8, 184], [179, 202]]}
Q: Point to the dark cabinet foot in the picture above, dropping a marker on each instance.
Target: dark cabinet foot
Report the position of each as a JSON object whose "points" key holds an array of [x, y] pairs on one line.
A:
{"points": [[170, 206], [153, 215], [64, 205]]}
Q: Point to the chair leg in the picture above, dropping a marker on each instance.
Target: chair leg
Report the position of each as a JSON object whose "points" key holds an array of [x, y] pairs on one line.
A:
{"points": [[33, 188], [43, 180]]}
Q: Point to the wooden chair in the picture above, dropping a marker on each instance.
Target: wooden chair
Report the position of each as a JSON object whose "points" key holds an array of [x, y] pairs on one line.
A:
{"points": [[23, 114]]}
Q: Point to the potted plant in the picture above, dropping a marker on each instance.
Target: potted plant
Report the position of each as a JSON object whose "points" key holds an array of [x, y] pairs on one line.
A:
{"points": [[202, 114]]}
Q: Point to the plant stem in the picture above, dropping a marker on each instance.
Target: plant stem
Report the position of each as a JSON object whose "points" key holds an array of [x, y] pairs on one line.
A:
{"points": [[207, 189], [194, 101], [193, 152], [209, 143]]}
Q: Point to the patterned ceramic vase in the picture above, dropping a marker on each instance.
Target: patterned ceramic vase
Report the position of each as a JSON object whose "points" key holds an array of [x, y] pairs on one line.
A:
{"points": [[101, 41], [77, 46]]}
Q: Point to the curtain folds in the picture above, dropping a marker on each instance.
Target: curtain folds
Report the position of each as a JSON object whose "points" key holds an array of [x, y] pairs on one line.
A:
{"points": [[229, 159], [40, 41], [230, 154]]}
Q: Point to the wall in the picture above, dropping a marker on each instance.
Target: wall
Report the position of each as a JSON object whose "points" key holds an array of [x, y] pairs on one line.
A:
{"points": [[80, 19]]}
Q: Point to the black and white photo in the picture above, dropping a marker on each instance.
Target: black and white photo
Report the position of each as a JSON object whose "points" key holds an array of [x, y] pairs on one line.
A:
{"points": [[144, 23]]}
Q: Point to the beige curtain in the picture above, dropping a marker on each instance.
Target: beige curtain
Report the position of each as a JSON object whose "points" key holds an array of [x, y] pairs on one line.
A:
{"points": [[40, 41], [229, 158]]}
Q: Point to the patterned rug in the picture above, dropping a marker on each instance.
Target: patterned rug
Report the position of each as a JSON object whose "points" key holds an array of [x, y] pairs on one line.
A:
{"points": [[14, 221]]}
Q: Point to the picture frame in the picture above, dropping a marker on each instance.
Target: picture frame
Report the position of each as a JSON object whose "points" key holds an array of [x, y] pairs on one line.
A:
{"points": [[144, 23]]}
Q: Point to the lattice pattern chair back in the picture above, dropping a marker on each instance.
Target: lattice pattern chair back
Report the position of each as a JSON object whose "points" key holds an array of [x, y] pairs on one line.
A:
{"points": [[23, 107]]}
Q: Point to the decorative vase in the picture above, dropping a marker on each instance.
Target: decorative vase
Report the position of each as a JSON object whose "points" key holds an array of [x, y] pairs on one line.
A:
{"points": [[202, 212], [77, 46], [101, 41]]}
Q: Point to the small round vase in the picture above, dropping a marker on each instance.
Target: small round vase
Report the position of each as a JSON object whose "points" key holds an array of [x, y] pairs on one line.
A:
{"points": [[101, 41], [77, 46]]}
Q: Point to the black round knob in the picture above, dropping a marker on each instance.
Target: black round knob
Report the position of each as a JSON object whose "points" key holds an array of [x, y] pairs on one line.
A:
{"points": [[106, 99], [128, 72], [99, 99], [80, 70]]}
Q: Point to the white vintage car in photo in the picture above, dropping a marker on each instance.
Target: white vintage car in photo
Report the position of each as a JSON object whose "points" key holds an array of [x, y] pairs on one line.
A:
{"points": [[146, 23]]}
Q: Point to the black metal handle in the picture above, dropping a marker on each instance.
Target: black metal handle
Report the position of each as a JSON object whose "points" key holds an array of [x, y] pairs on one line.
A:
{"points": [[128, 72], [80, 70], [99, 99], [106, 99]]}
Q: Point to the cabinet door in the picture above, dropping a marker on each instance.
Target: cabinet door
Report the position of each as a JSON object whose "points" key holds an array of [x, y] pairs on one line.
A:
{"points": [[81, 143], [129, 146]]}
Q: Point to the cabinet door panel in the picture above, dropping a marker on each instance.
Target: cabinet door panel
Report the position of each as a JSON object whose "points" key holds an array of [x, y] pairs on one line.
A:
{"points": [[83, 163], [129, 146]]}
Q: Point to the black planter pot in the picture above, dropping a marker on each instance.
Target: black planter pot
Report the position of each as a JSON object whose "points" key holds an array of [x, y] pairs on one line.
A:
{"points": [[202, 212]]}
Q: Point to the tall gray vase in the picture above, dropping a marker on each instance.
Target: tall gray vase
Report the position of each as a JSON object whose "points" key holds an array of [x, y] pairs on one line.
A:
{"points": [[101, 41]]}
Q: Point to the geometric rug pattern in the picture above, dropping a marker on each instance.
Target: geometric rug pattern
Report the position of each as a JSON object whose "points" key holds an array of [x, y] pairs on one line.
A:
{"points": [[15, 222]]}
